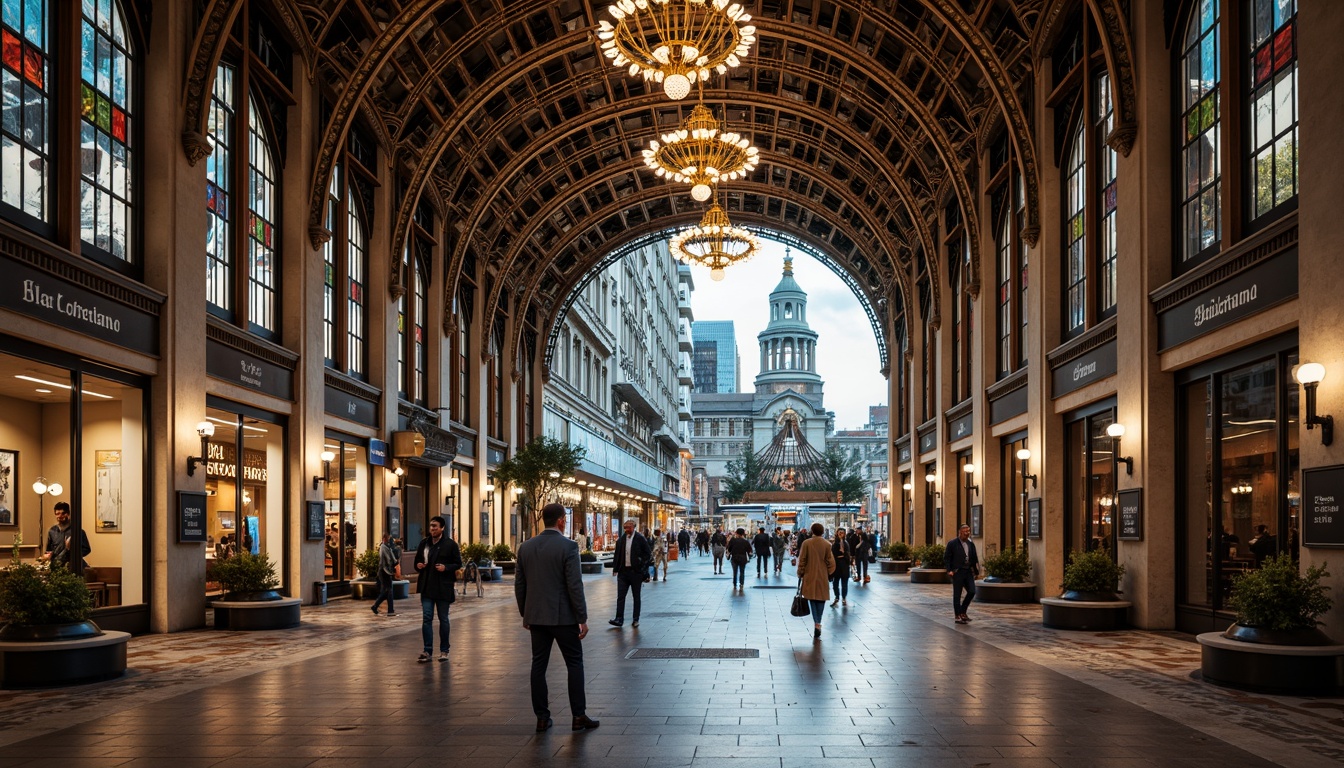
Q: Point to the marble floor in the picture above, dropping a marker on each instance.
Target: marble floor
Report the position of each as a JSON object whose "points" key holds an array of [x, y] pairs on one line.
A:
{"points": [[891, 682]]}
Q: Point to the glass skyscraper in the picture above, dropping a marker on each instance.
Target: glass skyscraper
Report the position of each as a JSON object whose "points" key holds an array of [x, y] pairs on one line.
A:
{"points": [[714, 361]]}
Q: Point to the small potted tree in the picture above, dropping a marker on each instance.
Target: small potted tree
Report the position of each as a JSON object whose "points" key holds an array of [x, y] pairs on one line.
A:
{"points": [[1276, 644], [1008, 578], [502, 555], [931, 569], [47, 638], [1090, 597], [366, 586], [894, 557], [250, 598]]}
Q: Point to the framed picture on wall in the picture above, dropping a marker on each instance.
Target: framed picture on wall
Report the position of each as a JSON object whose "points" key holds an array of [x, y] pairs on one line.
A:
{"points": [[315, 519], [107, 485], [1033, 518], [9, 487], [977, 519]]}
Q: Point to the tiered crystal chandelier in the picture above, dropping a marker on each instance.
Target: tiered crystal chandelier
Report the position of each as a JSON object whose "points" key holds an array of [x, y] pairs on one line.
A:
{"points": [[676, 42], [701, 154], [715, 243]]}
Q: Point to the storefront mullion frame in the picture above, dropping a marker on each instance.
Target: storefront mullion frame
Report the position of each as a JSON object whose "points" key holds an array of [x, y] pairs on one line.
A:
{"points": [[1073, 517], [337, 584], [1012, 490]]}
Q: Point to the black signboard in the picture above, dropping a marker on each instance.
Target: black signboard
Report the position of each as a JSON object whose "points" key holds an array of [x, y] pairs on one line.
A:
{"points": [[1085, 369], [1322, 502], [347, 406], [485, 520], [1033, 518], [51, 299], [191, 517], [493, 456], [1268, 283], [977, 519], [928, 441], [1008, 405], [315, 521], [466, 447], [961, 427], [248, 371], [903, 453], [1131, 515], [394, 522]]}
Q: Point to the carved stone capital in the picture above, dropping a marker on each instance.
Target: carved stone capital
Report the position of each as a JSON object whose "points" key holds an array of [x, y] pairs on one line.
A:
{"points": [[516, 375], [935, 322], [1032, 234], [396, 291], [1122, 138], [196, 145], [319, 236], [973, 288], [545, 375]]}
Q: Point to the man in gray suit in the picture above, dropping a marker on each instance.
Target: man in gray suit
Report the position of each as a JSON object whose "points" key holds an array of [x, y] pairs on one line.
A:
{"points": [[549, 586]]}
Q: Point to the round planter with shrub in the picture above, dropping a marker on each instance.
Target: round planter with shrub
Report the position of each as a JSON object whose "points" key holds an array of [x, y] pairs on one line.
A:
{"points": [[894, 557], [1008, 578], [931, 568], [250, 601], [502, 555], [1089, 600]]}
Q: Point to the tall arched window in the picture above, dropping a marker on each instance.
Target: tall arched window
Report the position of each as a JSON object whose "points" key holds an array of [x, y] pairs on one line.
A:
{"points": [[1201, 113], [356, 302], [1075, 235], [218, 191], [345, 277], [262, 207], [1272, 131], [412, 354], [462, 360], [106, 208], [25, 158], [1107, 165], [419, 338]]}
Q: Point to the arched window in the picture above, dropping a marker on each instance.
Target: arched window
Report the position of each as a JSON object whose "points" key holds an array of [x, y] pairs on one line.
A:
{"points": [[1201, 113], [106, 212], [1273, 116], [25, 158], [262, 272], [462, 308], [1107, 164], [420, 339], [788, 311], [218, 191], [1075, 235], [344, 312], [356, 277], [412, 308]]}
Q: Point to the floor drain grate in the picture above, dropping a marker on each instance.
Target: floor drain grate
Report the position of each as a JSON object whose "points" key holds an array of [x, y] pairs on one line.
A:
{"points": [[775, 586], [694, 653]]}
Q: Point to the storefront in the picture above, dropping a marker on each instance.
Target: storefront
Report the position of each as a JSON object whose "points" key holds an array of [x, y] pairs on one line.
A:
{"points": [[244, 486], [1239, 478], [348, 513], [1090, 483], [1012, 529]]}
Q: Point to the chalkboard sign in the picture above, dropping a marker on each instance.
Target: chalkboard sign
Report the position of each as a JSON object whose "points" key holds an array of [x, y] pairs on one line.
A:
{"points": [[977, 519], [1033, 518], [191, 517], [394, 522], [1322, 499], [316, 521], [1131, 515]]}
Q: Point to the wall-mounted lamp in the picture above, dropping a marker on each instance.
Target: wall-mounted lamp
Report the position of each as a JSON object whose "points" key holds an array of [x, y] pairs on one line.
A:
{"points": [[327, 458], [1115, 432], [1309, 375], [206, 430], [400, 472], [1024, 455], [907, 487], [932, 479], [490, 494], [970, 486]]}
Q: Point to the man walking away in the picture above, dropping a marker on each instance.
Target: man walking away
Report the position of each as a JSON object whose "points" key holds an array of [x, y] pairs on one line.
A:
{"points": [[436, 560], [719, 543], [761, 543], [739, 552], [702, 541], [862, 552], [779, 543], [388, 558], [631, 567], [549, 588], [963, 565], [684, 544]]}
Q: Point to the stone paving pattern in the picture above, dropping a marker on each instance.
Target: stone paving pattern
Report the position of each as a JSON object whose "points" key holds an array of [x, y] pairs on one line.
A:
{"points": [[892, 682]]}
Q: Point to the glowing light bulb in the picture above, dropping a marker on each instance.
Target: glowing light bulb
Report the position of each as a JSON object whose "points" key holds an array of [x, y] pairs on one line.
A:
{"points": [[701, 192], [676, 87]]}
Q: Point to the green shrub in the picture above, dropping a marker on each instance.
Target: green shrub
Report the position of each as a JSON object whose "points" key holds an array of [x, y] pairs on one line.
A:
{"points": [[587, 556], [1092, 571], [475, 552], [367, 564], [29, 596], [501, 551], [1009, 565], [1278, 597], [246, 573], [896, 550], [930, 555]]}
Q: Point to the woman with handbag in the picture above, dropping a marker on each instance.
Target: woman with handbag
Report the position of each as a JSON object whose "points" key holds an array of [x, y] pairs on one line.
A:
{"points": [[815, 566]]}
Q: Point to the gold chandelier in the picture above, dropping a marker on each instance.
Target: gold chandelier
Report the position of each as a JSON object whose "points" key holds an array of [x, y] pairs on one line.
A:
{"points": [[676, 42], [701, 154], [715, 243]]}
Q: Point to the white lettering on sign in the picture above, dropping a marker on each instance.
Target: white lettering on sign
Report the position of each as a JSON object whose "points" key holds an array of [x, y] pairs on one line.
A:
{"points": [[1324, 509], [249, 373], [961, 428], [1219, 305], [33, 294], [1081, 371], [350, 407]]}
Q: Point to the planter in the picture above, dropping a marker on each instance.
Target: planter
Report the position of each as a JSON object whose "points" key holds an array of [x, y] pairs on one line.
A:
{"points": [[893, 566], [368, 590], [37, 633], [492, 573], [506, 565], [42, 663], [1005, 591], [589, 568], [1271, 667], [929, 576], [1089, 615], [250, 615]]}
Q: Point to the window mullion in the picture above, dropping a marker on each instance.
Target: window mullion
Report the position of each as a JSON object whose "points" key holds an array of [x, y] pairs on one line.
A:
{"points": [[66, 18], [242, 169], [1233, 149]]}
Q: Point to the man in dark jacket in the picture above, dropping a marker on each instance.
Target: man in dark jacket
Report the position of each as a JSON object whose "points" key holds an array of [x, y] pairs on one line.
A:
{"points": [[719, 544], [761, 543], [436, 561], [702, 541], [963, 565], [684, 544], [549, 589], [739, 552], [631, 566]]}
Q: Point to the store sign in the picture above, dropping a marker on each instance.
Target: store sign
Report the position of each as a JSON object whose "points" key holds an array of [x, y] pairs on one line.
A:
{"points": [[222, 461], [1008, 405], [493, 456], [1131, 515], [1323, 506], [928, 441], [1085, 369], [31, 292], [466, 447], [1033, 518], [903, 453], [1268, 283], [961, 427], [378, 453], [238, 367], [352, 407], [191, 517]]}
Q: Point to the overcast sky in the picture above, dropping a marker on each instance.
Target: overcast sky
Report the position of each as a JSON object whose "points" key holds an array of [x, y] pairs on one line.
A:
{"points": [[846, 350]]}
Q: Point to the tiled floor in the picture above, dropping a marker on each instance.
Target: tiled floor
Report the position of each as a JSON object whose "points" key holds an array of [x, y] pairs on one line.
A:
{"points": [[892, 682]]}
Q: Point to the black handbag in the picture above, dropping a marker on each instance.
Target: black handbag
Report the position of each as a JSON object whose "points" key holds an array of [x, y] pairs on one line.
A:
{"points": [[800, 606]]}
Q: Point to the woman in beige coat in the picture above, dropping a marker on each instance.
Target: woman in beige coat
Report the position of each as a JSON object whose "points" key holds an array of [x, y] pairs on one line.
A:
{"points": [[815, 566]]}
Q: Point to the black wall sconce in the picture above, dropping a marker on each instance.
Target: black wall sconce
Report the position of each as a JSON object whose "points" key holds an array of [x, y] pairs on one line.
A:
{"points": [[971, 486], [1024, 455], [1115, 432], [206, 430], [327, 458], [400, 473], [1309, 375]]}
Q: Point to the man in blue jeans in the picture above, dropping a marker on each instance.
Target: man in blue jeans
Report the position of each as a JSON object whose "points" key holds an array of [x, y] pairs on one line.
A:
{"points": [[436, 561]]}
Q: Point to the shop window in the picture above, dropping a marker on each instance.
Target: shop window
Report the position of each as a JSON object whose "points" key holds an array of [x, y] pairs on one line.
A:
{"points": [[244, 484], [25, 157], [1013, 501], [350, 527], [1091, 495], [1272, 133]]}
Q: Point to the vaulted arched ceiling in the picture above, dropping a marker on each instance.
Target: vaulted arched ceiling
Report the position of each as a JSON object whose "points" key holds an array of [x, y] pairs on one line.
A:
{"points": [[869, 116]]}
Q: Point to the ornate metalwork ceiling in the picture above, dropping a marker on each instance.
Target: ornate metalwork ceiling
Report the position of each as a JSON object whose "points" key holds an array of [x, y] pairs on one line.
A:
{"points": [[506, 118]]}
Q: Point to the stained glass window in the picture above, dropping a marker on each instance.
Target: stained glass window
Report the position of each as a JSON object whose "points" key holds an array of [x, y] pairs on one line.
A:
{"points": [[356, 319], [462, 311], [329, 269], [218, 188], [420, 339], [1023, 250], [24, 149], [1007, 321], [1075, 231], [105, 140], [1272, 131], [262, 270], [1201, 113], [401, 345], [1106, 180]]}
